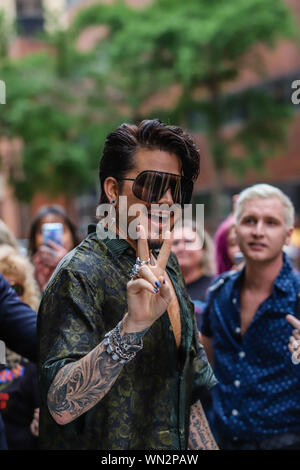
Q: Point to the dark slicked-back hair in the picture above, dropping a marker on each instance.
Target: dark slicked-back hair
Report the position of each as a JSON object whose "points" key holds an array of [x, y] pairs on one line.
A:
{"points": [[121, 145]]}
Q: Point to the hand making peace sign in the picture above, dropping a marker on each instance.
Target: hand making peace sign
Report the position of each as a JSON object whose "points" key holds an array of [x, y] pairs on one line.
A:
{"points": [[149, 294]]}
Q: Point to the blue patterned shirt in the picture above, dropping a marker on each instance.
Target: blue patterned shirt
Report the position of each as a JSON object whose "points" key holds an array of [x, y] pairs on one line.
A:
{"points": [[258, 390]]}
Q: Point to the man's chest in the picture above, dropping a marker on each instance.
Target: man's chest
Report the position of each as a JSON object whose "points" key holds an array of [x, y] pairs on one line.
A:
{"points": [[238, 318], [250, 304]]}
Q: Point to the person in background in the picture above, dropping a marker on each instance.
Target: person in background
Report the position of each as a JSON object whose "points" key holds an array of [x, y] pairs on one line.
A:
{"points": [[7, 237], [226, 245], [17, 323], [293, 249], [19, 272], [245, 333], [17, 331], [194, 250], [46, 257], [18, 377]]}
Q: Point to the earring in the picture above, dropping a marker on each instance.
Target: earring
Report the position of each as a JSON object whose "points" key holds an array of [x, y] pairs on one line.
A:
{"points": [[112, 209]]}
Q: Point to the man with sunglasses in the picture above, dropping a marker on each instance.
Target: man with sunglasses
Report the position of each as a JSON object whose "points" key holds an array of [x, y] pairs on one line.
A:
{"points": [[121, 366]]}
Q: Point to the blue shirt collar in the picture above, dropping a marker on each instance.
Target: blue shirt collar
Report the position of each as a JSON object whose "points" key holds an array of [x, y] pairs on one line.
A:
{"points": [[283, 281]]}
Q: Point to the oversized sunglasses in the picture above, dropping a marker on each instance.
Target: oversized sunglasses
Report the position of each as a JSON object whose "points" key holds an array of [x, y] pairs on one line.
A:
{"points": [[150, 186], [18, 288]]}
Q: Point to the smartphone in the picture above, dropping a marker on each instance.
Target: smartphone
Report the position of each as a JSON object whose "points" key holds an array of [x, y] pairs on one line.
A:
{"points": [[53, 232]]}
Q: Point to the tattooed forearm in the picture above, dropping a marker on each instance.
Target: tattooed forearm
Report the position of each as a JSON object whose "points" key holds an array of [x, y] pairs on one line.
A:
{"points": [[134, 338], [200, 437], [78, 386]]}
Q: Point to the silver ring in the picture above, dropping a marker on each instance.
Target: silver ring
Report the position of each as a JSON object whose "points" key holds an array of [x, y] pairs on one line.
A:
{"points": [[294, 359], [138, 264]]}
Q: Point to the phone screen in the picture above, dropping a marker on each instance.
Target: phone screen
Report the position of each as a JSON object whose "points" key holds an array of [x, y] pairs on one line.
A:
{"points": [[53, 232]]}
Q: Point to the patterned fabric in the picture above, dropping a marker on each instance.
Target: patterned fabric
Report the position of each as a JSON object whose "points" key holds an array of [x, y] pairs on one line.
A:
{"points": [[148, 406], [258, 391]]}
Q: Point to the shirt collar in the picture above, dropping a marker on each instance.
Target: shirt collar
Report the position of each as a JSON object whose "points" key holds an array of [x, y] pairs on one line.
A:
{"points": [[282, 282], [117, 246]]}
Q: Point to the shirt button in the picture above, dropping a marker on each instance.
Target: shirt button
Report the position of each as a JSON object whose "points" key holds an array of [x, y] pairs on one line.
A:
{"points": [[234, 301], [237, 383], [237, 330], [242, 354], [235, 438], [234, 412]]}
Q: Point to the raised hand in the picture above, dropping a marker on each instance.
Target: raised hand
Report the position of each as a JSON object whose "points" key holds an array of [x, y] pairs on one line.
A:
{"points": [[294, 343], [42, 271], [149, 294], [52, 253]]}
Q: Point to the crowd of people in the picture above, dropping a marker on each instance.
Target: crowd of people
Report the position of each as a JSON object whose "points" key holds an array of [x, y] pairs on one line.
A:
{"points": [[24, 278], [198, 349]]}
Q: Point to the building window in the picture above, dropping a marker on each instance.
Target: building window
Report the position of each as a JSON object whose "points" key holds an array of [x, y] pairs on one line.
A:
{"points": [[30, 18]]}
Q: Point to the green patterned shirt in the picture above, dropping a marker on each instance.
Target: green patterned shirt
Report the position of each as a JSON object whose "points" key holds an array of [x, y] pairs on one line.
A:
{"points": [[148, 407]]}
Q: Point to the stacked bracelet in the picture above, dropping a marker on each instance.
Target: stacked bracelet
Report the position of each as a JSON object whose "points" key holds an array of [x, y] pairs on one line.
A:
{"points": [[118, 348]]}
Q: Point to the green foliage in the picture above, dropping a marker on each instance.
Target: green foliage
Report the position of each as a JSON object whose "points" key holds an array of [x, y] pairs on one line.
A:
{"points": [[201, 45], [52, 108], [62, 103]]}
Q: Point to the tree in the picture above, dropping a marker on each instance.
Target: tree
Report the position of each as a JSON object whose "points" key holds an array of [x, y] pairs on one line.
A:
{"points": [[201, 46], [51, 106]]}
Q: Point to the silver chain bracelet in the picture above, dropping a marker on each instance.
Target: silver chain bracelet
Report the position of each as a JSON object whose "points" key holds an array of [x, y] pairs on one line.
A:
{"points": [[118, 348]]}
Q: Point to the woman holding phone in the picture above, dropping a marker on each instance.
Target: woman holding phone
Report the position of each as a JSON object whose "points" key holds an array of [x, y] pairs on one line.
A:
{"points": [[52, 235]]}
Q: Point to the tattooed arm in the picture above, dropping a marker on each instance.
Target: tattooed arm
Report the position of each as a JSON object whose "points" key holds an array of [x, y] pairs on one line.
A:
{"points": [[200, 437], [80, 385]]}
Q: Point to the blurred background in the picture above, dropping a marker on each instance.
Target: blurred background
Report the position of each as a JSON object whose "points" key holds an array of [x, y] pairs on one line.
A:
{"points": [[76, 69]]}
